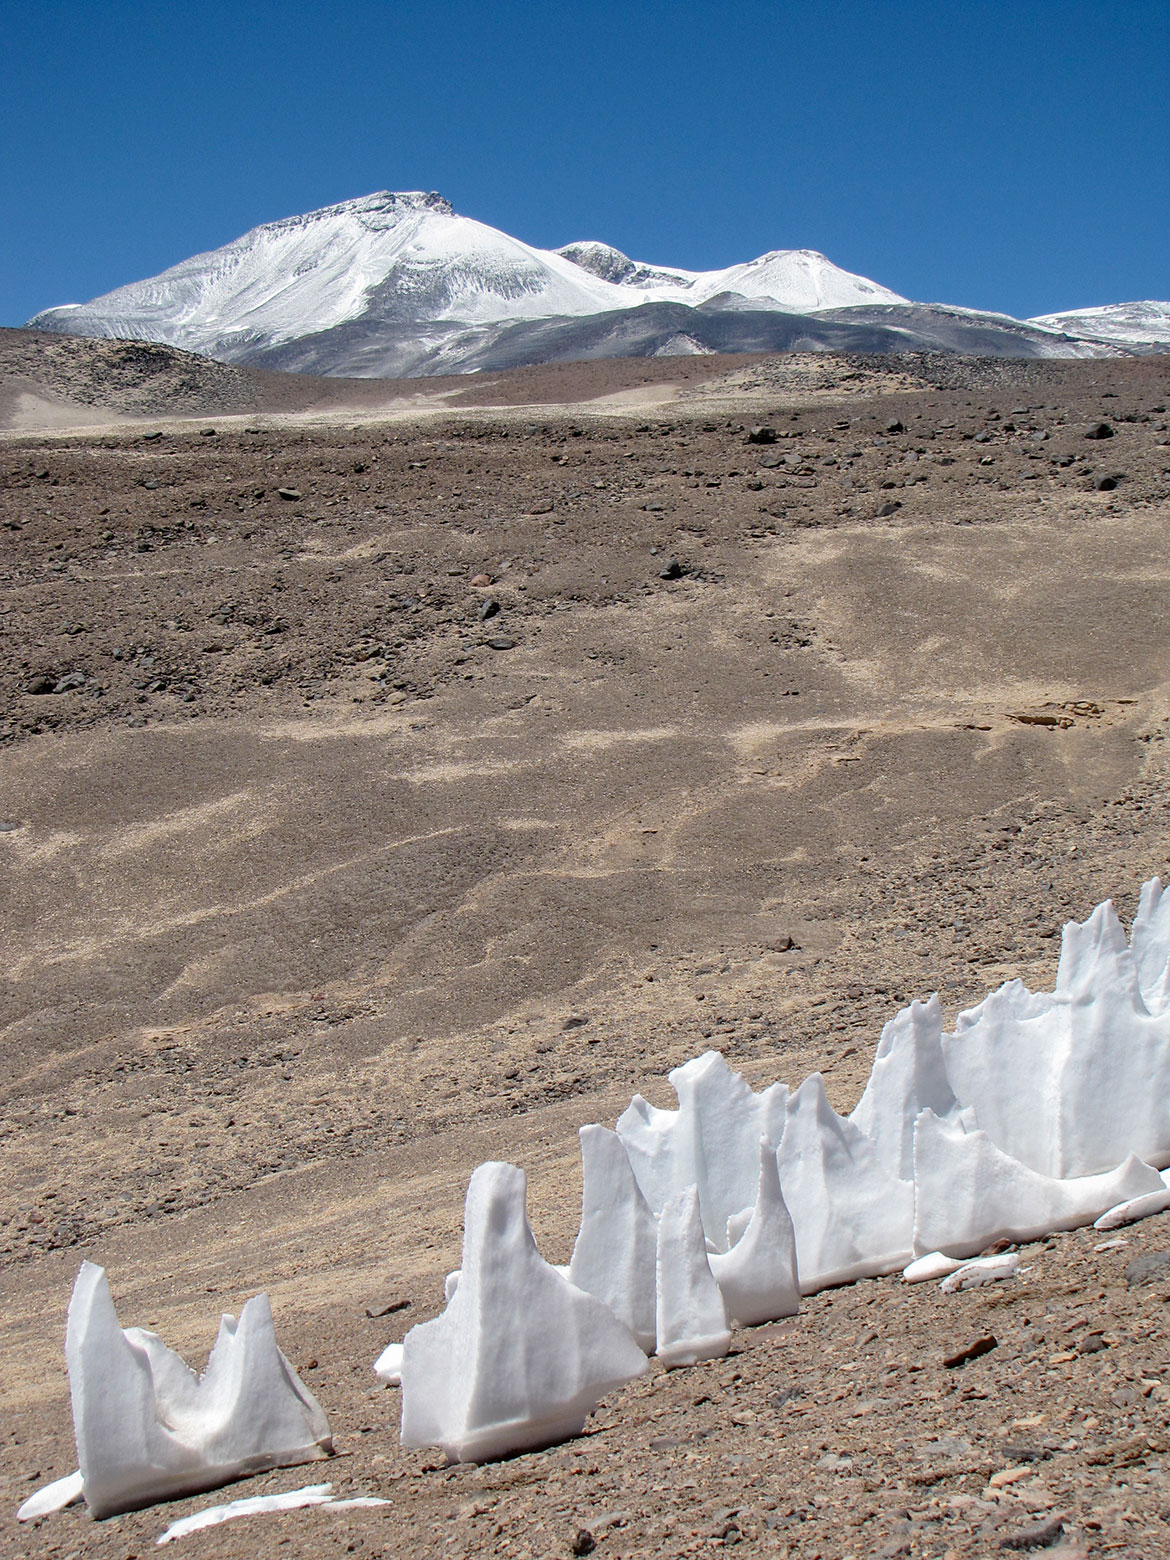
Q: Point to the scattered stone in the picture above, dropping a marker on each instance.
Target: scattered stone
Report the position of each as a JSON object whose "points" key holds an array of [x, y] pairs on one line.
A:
{"points": [[1053, 722], [761, 436], [972, 1351], [888, 509], [1105, 484], [1025, 1452], [1037, 1535], [831, 1462], [1152, 1268], [895, 427], [1100, 430], [1009, 1476], [398, 1304], [41, 684], [7, 826], [584, 1543], [672, 569], [501, 642], [70, 681], [481, 579], [488, 610], [289, 493]]}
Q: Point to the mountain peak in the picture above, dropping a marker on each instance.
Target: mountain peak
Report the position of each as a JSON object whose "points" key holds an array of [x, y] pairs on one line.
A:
{"points": [[395, 204], [392, 200], [599, 259]]}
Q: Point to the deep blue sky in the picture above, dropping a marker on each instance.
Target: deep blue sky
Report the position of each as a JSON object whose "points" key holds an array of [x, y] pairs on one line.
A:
{"points": [[1007, 155]]}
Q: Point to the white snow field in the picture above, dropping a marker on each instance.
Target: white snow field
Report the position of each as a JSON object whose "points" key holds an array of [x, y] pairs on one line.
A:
{"points": [[412, 258]]}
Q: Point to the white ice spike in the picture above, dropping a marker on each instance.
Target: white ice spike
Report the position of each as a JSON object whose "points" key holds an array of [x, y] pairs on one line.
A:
{"points": [[1071, 1081], [692, 1319], [758, 1276], [520, 1357], [616, 1246], [908, 1075], [853, 1218], [149, 1429], [711, 1141], [969, 1193]]}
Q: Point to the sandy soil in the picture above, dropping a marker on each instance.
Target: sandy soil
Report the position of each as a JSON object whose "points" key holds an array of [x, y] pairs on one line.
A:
{"points": [[324, 881]]}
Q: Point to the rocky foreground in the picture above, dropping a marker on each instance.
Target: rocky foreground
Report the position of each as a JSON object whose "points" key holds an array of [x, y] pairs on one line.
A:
{"points": [[385, 788]]}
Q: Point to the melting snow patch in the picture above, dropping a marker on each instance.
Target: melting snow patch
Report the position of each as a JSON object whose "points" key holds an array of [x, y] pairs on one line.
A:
{"points": [[52, 1497], [388, 1365], [1136, 1208], [255, 1505], [983, 1270], [933, 1265]]}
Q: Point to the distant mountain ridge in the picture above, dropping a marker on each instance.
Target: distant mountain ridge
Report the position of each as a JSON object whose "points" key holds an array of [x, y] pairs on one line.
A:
{"points": [[397, 283], [1133, 324]]}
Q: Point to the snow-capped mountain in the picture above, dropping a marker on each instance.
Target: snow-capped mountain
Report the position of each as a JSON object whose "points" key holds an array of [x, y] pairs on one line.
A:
{"points": [[1129, 324], [396, 284], [407, 259]]}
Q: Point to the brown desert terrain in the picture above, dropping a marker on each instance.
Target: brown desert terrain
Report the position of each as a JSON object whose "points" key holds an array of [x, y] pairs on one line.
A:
{"points": [[397, 775]]}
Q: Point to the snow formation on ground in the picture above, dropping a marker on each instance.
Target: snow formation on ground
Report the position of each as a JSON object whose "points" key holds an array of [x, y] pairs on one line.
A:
{"points": [[149, 1429], [1041, 1112]]}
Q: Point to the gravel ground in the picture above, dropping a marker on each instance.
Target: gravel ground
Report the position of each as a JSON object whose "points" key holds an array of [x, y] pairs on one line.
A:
{"points": [[389, 787]]}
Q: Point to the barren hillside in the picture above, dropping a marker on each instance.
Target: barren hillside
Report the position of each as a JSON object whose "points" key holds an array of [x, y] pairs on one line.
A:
{"points": [[387, 785]]}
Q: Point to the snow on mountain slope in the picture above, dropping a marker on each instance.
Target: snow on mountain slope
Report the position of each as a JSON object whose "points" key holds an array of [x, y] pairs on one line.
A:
{"points": [[800, 280], [408, 258], [1144, 324]]}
